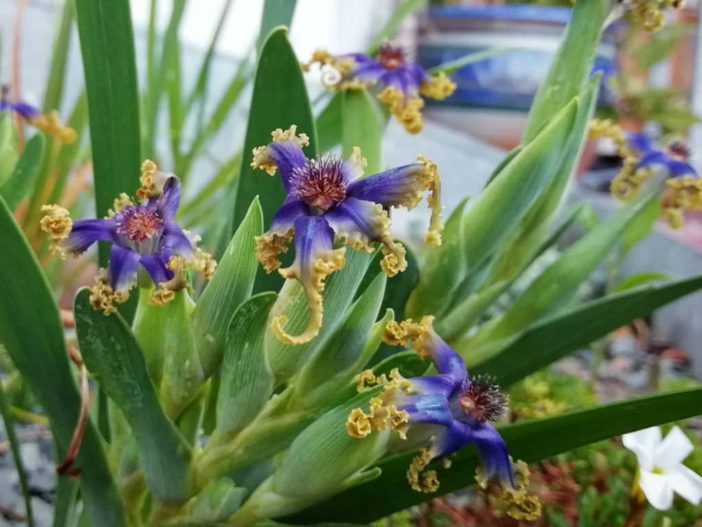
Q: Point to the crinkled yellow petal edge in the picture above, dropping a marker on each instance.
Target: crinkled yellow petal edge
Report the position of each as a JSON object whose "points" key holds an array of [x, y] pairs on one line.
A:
{"points": [[313, 283], [51, 124]]}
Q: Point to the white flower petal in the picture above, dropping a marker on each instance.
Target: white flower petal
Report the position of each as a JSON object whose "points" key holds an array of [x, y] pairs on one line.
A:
{"points": [[673, 449], [643, 443], [686, 483], [657, 489]]}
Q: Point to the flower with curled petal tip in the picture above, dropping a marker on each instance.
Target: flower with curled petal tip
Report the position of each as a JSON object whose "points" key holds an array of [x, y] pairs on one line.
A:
{"points": [[144, 237], [400, 83], [48, 123], [329, 200], [442, 412]]}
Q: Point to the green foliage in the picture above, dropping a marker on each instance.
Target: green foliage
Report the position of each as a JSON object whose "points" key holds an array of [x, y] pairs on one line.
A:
{"points": [[31, 333], [107, 46]]}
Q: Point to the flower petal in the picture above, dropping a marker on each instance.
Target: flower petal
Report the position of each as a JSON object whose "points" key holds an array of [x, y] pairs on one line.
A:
{"points": [[657, 489], [639, 142], [315, 259], [156, 265], [653, 158], [176, 240], [443, 385], [398, 187], [687, 483], [167, 203], [643, 443], [284, 153], [674, 448], [358, 222], [433, 409], [123, 267], [285, 217], [446, 360], [25, 110], [680, 168], [86, 232]]}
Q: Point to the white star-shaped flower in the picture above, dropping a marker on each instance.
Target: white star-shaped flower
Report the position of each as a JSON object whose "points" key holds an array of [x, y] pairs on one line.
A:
{"points": [[660, 464]]}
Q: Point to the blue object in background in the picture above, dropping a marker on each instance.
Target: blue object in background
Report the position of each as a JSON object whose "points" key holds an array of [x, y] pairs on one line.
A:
{"points": [[508, 80]]}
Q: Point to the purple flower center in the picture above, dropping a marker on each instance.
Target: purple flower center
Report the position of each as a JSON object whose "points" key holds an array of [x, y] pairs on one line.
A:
{"points": [[482, 401], [320, 183], [391, 57], [138, 224], [678, 150]]}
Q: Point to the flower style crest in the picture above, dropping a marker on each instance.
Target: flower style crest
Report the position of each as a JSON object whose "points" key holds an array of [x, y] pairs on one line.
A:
{"points": [[144, 236], [443, 412], [401, 84], [642, 159], [329, 200], [49, 123]]}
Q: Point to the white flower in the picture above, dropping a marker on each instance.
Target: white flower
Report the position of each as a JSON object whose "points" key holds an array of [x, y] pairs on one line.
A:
{"points": [[661, 468]]}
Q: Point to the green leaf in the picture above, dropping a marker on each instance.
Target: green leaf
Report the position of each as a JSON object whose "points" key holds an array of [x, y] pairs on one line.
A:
{"points": [[247, 380], [537, 223], [638, 279], [558, 283], [346, 352], [18, 184], [390, 28], [112, 355], [64, 503], [642, 225], [68, 154], [500, 209], [661, 44], [442, 267], [556, 337], [230, 286], [59, 59], [529, 441], [571, 66], [31, 332], [329, 124], [275, 13], [8, 421], [275, 104], [454, 65], [8, 146], [107, 46], [362, 126]]}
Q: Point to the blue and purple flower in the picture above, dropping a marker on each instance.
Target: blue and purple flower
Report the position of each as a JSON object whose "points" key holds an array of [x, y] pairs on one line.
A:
{"points": [[401, 84], [49, 123], [146, 241], [329, 200], [684, 186], [442, 412]]}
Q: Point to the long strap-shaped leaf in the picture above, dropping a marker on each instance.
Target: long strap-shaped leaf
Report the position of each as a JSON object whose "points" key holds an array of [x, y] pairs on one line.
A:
{"points": [[107, 46], [112, 354], [554, 338], [275, 13], [529, 441], [30, 330]]}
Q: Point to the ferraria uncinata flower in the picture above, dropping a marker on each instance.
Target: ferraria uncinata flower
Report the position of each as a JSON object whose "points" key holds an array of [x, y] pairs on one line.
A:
{"points": [[329, 200], [642, 159], [401, 84], [144, 237], [49, 123]]}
